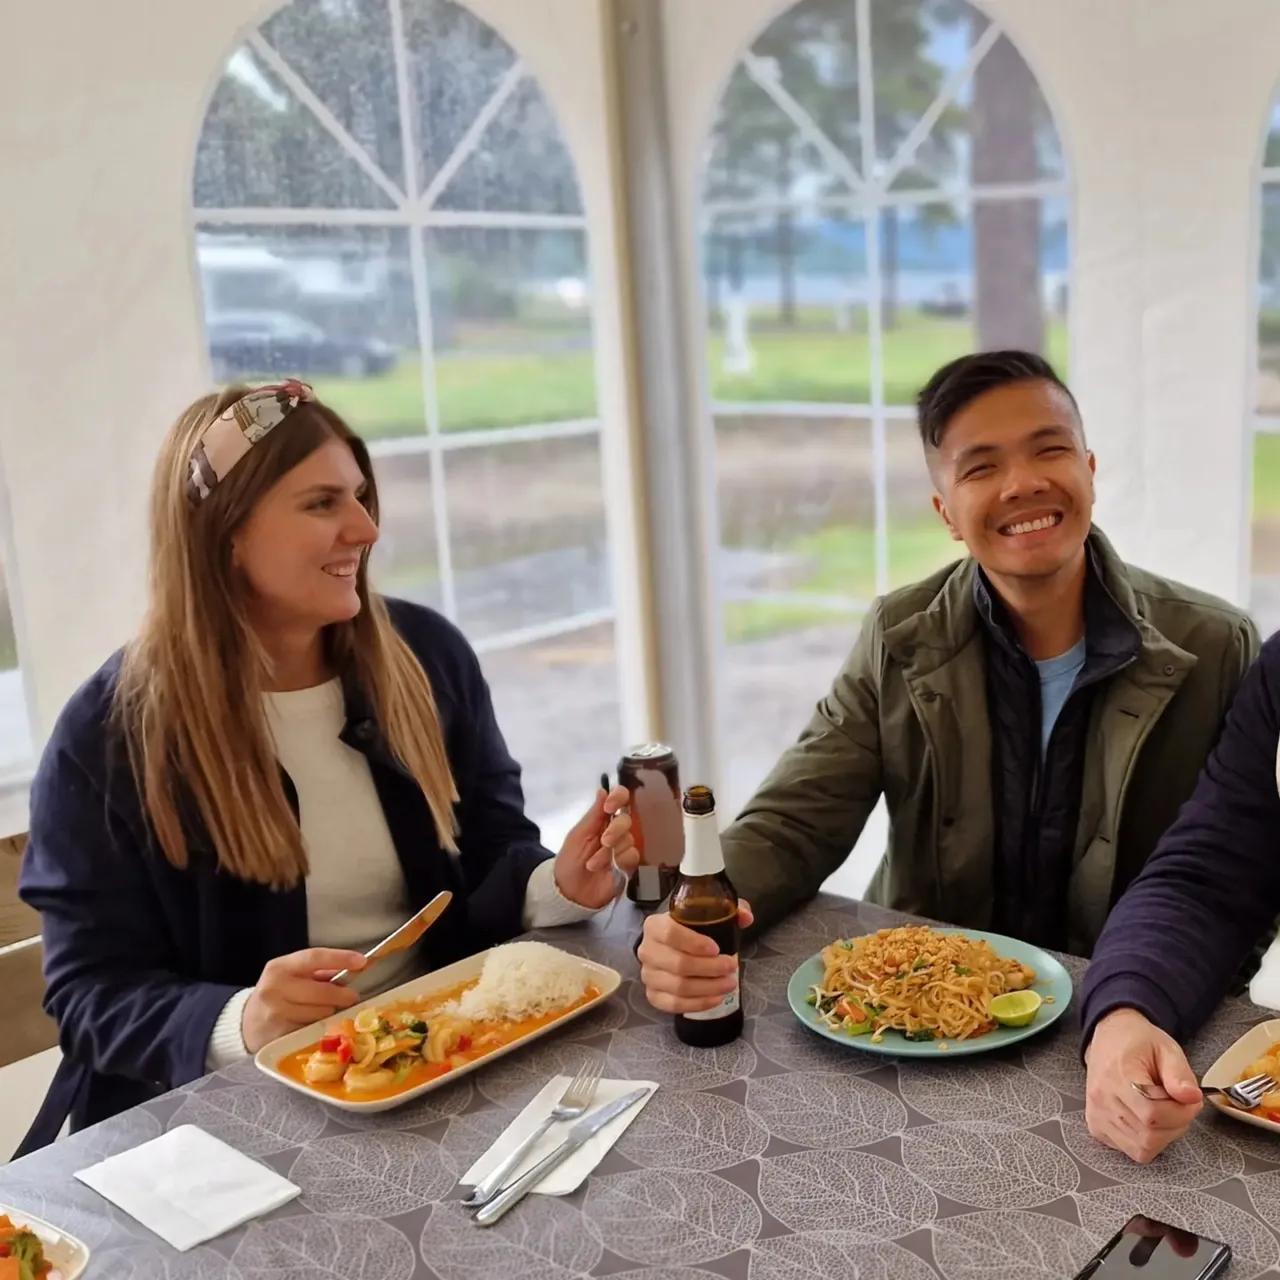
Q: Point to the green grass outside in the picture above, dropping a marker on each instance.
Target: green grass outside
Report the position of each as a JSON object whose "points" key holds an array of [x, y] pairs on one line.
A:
{"points": [[844, 565], [1266, 475], [479, 389], [829, 366], [473, 393]]}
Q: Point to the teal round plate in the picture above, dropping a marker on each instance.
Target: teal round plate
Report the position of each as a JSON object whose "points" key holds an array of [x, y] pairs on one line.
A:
{"points": [[1052, 982]]}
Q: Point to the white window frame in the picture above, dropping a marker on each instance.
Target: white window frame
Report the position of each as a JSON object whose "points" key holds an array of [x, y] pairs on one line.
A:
{"points": [[868, 193], [1259, 422], [416, 214]]}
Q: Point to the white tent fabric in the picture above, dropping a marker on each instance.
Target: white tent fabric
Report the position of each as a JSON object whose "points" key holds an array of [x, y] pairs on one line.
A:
{"points": [[1161, 109]]}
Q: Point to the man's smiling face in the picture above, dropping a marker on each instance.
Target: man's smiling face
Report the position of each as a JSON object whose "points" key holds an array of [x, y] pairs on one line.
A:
{"points": [[1014, 480]]}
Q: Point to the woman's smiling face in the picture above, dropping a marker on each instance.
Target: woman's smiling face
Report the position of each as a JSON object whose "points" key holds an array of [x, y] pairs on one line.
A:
{"points": [[301, 548]]}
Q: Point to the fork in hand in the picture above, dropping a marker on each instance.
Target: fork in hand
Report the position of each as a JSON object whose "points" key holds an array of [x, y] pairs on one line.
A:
{"points": [[573, 1102], [619, 876], [1246, 1095]]}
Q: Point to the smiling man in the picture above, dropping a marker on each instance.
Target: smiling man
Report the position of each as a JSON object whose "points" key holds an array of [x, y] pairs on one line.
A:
{"points": [[1034, 715]]}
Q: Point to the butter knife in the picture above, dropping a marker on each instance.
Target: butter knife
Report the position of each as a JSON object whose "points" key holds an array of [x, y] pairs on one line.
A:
{"points": [[586, 1128], [405, 936]]}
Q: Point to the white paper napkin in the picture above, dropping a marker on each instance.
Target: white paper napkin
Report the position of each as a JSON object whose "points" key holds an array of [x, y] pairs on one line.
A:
{"points": [[187, 1186], [569, 1175]]}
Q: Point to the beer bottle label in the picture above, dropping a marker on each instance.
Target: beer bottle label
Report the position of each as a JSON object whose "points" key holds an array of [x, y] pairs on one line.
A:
{"points": [[728, 1005]]}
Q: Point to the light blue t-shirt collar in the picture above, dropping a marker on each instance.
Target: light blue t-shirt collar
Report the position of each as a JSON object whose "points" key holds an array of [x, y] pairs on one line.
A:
{"points": [[1057, 679]]}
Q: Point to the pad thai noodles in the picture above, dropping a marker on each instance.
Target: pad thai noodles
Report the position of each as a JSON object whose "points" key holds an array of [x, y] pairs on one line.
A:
{"points": [[925, 984]]}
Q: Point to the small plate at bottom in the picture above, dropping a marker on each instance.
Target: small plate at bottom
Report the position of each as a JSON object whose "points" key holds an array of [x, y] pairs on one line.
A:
{"points": [[1230, 1069], [68, 1255]]}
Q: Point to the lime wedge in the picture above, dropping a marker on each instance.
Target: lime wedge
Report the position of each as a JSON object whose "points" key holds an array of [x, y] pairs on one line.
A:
{"points": [[1015, 1008]]}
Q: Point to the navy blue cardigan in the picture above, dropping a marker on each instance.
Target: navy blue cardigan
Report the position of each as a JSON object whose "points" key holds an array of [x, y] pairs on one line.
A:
{"points": [[1174, 942], [140, 957]]}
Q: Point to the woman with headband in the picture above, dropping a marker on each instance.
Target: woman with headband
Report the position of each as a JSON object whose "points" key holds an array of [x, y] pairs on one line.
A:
{"points": [[273, 775]]}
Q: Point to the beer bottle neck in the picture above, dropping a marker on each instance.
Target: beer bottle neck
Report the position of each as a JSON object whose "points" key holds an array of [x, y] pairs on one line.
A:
{"points": [[702, 854]]}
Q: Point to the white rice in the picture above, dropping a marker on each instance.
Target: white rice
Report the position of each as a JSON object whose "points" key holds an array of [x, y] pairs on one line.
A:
{"points": [[522, 980]]}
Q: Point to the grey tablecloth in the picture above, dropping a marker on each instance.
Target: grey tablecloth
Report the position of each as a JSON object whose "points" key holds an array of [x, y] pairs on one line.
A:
{"points": [[779, 1157]]}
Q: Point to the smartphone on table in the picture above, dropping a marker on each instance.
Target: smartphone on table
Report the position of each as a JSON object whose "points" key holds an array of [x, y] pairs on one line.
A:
{"points": [[1144, 1249]]}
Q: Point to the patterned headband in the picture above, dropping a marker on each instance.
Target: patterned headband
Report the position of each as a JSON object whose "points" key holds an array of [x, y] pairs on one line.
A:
{"points": [[236, 430]]}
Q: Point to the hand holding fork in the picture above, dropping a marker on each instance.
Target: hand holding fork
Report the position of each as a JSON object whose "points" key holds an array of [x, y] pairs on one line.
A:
{"points": [[599, 852]]}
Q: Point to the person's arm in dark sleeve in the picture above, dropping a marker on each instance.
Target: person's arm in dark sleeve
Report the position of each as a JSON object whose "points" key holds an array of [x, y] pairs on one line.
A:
{"points": [[1241, 653], [109, 966], [1174, 941]]}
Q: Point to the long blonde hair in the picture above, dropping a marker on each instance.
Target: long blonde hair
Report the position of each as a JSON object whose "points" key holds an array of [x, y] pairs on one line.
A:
{"points": [[190, 690]]}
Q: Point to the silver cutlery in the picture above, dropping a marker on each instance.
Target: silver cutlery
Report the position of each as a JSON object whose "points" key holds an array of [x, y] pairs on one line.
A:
{"points": [[620, 876], [583, 1130], [405, 936], [1247, 1094], [576, 1098]]}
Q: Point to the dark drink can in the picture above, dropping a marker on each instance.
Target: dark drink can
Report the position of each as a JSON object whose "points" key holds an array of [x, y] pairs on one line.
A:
{"points": [[652, 777]]}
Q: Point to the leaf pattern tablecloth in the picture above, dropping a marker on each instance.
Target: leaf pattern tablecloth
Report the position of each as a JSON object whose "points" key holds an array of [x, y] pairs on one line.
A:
{"points": [[778, 1157]]}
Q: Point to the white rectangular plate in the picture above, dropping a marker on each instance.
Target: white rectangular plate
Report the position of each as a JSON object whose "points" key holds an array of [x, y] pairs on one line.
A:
{"points": [[68, 1255], [1229, 1068], [604, 979]]}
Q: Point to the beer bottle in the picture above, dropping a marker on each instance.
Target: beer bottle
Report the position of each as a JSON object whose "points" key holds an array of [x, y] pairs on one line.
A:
{"points": [[705, 901]]}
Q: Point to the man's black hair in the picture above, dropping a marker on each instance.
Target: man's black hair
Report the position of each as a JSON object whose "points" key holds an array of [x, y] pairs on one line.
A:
{"points": [[961, 382]]}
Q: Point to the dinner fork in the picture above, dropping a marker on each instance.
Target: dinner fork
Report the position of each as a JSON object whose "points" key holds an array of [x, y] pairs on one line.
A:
{"points": [[573, 1102], [1247, 1093], [619, 876], [618, 873]]}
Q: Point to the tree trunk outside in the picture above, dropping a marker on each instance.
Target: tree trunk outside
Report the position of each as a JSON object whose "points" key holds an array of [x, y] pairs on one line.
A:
{"points": [[786, 240], [733, 241], [1007, 303], [889, 268], [731, 235], [715, 265]]}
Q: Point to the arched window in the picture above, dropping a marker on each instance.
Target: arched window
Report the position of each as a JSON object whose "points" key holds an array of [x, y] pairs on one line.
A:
{"points": [[386, 208], [1265, 560], [883, 190]]}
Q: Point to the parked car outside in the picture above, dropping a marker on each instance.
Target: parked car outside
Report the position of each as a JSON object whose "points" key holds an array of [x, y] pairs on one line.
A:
{"points": [[256, 342]]}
